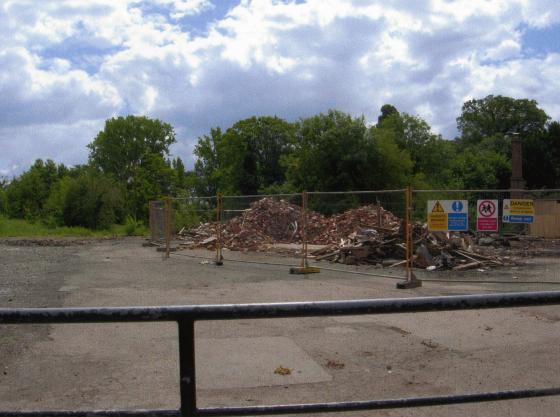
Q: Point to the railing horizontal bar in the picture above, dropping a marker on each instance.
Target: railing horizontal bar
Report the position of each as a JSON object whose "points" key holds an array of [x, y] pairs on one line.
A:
{"points": [[277, 310], [377, 404], [305, 408], [93, 413]]}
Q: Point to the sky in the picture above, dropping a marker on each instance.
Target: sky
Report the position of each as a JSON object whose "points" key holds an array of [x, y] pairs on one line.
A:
{"points": [[66, 66]]}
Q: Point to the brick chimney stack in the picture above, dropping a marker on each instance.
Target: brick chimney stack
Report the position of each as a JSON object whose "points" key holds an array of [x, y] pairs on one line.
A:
{"points": [[517, 181]]}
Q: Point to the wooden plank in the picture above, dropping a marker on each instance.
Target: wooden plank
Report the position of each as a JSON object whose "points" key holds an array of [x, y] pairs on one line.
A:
{"points": [[464, 267]]}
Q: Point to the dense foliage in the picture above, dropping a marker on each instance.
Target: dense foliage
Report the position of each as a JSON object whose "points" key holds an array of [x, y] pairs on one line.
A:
{"points": [[128, 166], [334, 151], [129, 161]]}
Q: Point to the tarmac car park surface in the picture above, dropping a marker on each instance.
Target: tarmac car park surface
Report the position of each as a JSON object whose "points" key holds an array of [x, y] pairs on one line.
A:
{"points": [[100, 366]]}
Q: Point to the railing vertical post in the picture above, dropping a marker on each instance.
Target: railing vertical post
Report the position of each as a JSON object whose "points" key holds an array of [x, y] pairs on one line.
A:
{"points": [[411, 280], [187, 381], [219, 257]]}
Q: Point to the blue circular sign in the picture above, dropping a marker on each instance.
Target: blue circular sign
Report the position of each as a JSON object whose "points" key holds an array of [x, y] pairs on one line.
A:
{"points": [[457, 206]]}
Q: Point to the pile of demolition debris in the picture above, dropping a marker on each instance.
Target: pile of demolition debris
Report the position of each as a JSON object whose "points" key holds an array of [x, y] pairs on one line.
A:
{"points": [[266, 222], [366, 235]]}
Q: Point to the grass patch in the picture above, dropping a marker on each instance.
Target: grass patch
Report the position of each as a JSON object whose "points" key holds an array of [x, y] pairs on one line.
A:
{"points": [[23, 228]]}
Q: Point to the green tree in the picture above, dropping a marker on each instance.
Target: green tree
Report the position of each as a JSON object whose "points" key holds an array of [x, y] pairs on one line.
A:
{"points": [[133, 150], [179, 176], [207, 173], [91, 200], [493, 115], [431, 155], [488, 124], [541, 158], [3, 199], [27, 194], [475, 168], [393, 167], [245, 159], [386, 111], [335, 152], [251, 150]]}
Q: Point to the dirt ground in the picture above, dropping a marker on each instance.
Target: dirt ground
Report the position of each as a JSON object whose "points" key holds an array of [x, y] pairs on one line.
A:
{"points": [[100, 366]]}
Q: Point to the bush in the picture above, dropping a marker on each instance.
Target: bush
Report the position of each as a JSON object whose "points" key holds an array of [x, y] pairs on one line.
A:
{"points": [[185, 216], [93, 201], [132, 226]]}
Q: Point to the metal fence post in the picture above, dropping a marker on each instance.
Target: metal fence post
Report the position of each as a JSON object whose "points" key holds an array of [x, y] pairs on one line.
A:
{"points": [[219, 257], [304, 230], [187, 380], [411, 280], [151, 207], [304, 267], [167, 226]]}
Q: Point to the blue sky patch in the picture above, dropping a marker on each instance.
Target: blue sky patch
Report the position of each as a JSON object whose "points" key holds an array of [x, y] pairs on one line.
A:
{"points": [[539, 42]]}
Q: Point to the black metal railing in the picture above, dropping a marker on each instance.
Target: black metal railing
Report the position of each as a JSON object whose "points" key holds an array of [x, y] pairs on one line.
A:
{"points": [[186, 316]]}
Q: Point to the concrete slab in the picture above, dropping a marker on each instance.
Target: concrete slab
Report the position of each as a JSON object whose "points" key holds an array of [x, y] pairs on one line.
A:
{"points": [[67, 288], [251, 362], [472, 330]]}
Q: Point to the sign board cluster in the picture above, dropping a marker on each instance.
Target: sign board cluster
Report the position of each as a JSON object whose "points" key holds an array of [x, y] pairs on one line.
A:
{"points": [[452, 215], [448, 215]]}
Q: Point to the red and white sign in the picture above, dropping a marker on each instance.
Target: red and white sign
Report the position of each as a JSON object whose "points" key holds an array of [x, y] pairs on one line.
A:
{"points": [[487, 215]]}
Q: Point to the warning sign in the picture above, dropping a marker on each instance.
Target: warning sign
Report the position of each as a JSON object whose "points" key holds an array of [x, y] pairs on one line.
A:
{"points": [[487, 215], [518, 211], [447, 215], [438, 208]]}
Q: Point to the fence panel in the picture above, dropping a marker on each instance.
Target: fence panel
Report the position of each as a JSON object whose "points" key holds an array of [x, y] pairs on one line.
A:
{"points": [[157, 221], [190, 213], [365, 226], [359, 227], [262, 222]]}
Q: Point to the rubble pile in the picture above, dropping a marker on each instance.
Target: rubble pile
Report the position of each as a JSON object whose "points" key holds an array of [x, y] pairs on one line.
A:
{"points": [[375, 245], [365, 235], [341, 226], [456, 251], [267, 221]]}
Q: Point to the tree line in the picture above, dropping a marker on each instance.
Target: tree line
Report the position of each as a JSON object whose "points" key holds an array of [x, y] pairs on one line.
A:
{"points": [[129, 161], [334, 151]]}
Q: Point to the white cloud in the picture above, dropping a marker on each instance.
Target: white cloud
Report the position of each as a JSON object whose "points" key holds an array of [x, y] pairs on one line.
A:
{"points": [[70, 64], [182, 8], [61, 142]]}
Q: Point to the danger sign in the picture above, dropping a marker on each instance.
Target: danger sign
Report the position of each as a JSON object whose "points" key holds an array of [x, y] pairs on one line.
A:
{"points": [[518, 211], [487, 215]]}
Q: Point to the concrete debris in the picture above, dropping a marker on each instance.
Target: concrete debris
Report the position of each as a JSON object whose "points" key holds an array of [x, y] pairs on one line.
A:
{"points": [[365, 235]]}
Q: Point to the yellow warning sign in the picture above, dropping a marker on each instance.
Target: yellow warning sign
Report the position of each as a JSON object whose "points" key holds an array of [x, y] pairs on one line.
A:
{"points": [[437, 222], [438, 208], [521, 206]]}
